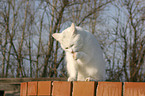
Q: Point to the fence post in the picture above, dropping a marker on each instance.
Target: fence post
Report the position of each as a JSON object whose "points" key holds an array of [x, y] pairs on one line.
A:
{"points": [[134, 89], [109, 89], [23, 90], [61, 88], [44, 88], [82, 88]]}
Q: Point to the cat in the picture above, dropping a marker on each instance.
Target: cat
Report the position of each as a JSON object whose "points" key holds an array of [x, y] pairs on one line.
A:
{"points": [[84, 55]]}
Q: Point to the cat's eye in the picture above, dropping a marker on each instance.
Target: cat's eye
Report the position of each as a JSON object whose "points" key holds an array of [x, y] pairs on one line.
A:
{"points": [[66, 48], [71, 45]]}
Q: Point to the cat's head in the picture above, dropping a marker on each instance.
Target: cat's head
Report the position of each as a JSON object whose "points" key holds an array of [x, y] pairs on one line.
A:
{"points": [[69, 39]]}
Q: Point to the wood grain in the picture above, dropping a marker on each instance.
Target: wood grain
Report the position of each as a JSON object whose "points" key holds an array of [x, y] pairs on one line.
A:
{"points": [[23, 90], [44, 88], [109, 89], [61, 88], [81, 88], [134, 89], [32, 88]]}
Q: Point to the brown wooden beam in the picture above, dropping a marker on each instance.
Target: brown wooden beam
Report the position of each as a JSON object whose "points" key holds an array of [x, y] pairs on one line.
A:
{"points": [[19, 80]]}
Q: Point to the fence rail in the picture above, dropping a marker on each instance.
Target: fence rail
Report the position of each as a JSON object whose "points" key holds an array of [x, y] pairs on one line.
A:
{"points": [[77, 88], [11, 86]]}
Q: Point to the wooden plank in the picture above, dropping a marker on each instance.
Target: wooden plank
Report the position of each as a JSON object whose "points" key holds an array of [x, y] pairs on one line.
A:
{"points": [[44, 88], [20, 80], [134, 89], [23, 89], [13, 84], [109, 89], [32, 88], [61, 88], [81, 88], [10, 87]]}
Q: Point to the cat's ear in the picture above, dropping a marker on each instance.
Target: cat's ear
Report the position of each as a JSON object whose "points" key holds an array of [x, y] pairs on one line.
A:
{"points": [[56, 36], [73, 29]]}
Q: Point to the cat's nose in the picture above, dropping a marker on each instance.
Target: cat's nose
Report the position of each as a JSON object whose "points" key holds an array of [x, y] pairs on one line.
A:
{"points": [[72, 51]]}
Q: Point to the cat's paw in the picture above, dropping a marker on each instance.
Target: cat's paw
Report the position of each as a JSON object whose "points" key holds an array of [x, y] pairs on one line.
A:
{"points": [[89, 79], [76, 55], [71, 79]]}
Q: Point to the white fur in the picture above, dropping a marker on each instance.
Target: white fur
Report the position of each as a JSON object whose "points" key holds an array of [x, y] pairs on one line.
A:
{"points": [[83, 54]]}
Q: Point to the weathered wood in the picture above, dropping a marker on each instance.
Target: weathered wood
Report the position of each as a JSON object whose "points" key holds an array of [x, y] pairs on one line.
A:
{"points": [[24, 89], [134, 89], [12, 85], [32, 88], [19, 80], [61, 88], [109, 89], [44, 88], [9, 87], [83, 88]]}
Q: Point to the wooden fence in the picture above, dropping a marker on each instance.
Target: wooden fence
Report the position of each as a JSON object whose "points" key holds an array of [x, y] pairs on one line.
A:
{"points": [[11, 86], [76, 88]]}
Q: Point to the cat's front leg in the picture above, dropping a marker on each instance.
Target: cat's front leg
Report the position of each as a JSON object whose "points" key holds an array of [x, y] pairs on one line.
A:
{"points": [[71, 79], [72, 67], [72, 71]]}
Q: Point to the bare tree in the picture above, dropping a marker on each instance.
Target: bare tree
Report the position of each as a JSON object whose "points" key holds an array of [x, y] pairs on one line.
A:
{"points": [[128, 37], [27, 47]]}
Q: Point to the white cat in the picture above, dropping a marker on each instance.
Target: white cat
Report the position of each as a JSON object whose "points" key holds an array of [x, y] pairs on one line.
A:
{"points": [[83, 54]]}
